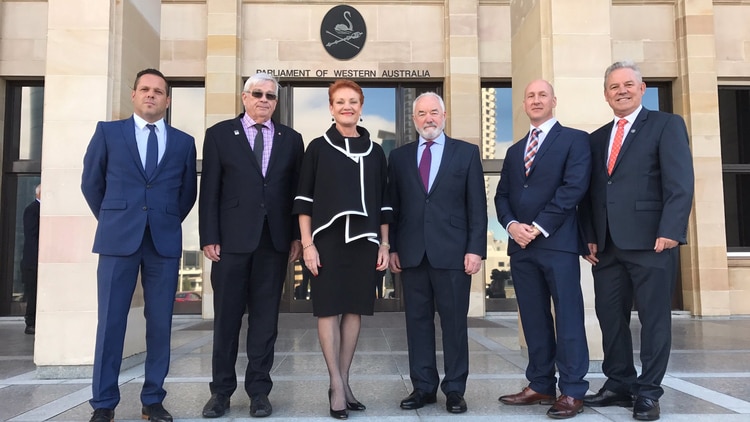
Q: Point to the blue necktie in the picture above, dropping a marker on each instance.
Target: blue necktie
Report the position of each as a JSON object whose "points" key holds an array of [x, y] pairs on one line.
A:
{"points": [[152, 151]]}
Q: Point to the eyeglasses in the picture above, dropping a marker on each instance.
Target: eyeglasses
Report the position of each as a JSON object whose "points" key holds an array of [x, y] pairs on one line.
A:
{"points": [[259, 95]]}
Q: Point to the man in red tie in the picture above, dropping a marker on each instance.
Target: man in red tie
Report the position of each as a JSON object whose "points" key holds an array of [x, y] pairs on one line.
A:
{"points": [[635, 216]]}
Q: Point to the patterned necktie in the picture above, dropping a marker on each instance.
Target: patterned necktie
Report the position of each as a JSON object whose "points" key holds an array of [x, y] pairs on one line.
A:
{"points": [[616, 145], [424, 165], [531, 149], [152, 151], [258, 144]]}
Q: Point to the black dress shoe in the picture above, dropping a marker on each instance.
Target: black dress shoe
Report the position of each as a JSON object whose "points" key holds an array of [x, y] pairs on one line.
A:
{"points": [[417, 399], [260, 407], [455, 402], [355, 405], [103, 415], [608, 398], [155, 413], [30, 329], [217, 405], [646, 409], [337, 414]]}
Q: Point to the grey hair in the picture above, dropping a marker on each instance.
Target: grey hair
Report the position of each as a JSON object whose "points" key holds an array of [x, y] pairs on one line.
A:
{"points": [[623, 64], [37, 189], [259, 78], [427, 94]]}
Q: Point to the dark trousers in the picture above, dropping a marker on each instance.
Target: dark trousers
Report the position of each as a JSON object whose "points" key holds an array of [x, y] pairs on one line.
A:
{"points": [[539, 276], [648, 277], [29, 278], [116, 279], [426, 288], [252, 282]]}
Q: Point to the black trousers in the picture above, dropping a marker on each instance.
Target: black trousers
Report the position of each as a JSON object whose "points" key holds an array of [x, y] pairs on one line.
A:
{"points": [[29, 278], [252, 282], [620, 277]]}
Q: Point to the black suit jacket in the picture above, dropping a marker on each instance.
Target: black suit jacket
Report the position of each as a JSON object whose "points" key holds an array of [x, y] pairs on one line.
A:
{"points": [[449, 221], [650, 191], [30, 258], [234, 195]]}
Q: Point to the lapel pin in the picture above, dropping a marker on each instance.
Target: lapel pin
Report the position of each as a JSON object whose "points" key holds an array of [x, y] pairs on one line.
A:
{"points": [[236, 132], [632, 130]]}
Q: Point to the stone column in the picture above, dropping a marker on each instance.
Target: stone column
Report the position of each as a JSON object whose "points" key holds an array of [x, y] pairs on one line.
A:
{"points": [[705, 279], [462, 88], [546, 41], [117, 38], [223, 86]]}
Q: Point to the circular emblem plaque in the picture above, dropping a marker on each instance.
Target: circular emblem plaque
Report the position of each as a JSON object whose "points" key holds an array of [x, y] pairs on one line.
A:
{"points": [[343, 32]]}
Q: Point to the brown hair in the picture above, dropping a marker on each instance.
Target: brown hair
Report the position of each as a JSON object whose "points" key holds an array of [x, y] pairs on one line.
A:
{"points": [[345, 83]]}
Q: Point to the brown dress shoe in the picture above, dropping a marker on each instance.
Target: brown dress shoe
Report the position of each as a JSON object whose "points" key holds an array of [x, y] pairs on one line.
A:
{"points": [[525, 397], [565, 407]]}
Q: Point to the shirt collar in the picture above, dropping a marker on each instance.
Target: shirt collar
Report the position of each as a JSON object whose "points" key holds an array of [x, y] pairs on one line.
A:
{"points": [[140, 123], [630, 117], [544, 127], [249, 122], [440, 140]]}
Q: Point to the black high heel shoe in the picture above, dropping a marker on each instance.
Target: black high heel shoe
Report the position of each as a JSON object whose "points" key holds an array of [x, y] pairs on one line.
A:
{"points": [[355, 405], [337, 414]]}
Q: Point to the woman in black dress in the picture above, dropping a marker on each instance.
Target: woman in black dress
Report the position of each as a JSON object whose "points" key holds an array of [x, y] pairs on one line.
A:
{"points": [[343, 218]]}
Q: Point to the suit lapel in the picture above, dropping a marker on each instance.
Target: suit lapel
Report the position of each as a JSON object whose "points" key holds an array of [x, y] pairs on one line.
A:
{"points": [[448, 152], [244, 144], [549, 139], [128, 134], [631, 136], [276, 145]]}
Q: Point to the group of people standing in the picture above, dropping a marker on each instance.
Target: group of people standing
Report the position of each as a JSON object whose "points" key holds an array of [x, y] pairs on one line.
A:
{"points": [[350, 213]]}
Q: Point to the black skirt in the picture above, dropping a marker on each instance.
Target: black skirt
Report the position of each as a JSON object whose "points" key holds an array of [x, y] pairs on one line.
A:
{"points": [[346, 279]]}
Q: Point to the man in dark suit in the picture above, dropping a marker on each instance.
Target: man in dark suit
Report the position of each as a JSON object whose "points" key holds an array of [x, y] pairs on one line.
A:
{"points": [[30, 259], [438, 241], [636, 215], [139, 180], [250, 172], [544, 177]]}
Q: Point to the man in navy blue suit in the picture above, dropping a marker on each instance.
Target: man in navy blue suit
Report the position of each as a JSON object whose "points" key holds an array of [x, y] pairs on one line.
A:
{"points": [[635, 215], [544, 177], [438, 241], [139, 180]]}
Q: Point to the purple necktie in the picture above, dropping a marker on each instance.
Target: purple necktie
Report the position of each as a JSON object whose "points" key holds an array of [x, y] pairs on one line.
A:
{"points": [[424, 165]]}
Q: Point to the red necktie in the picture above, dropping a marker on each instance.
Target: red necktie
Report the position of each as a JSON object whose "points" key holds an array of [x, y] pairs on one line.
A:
{"points": [[424, 165], [531, 149], [616, 145]]}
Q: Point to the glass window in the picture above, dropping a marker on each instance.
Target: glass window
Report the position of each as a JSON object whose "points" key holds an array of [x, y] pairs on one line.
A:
{"points": [[734, 121], [187, 113], [21, 170], [497, 121]]}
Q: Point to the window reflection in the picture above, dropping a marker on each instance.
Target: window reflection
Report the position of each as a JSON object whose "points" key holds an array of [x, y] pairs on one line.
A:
{"points": [[497, 121], [499, 292], [187, 112], [32, 106], [190, 276]]}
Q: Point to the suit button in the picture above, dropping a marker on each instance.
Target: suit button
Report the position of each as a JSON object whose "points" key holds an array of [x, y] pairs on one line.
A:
{"points": [[148, 186], [609, 182], [262, 205], [427, 201], [525, 185], [145, 208]]}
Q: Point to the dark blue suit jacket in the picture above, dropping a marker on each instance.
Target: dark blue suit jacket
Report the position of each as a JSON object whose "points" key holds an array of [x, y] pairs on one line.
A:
{"points": [[124, 201], [235, 196], [449, 221], [650, 192], [549, 196]]}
